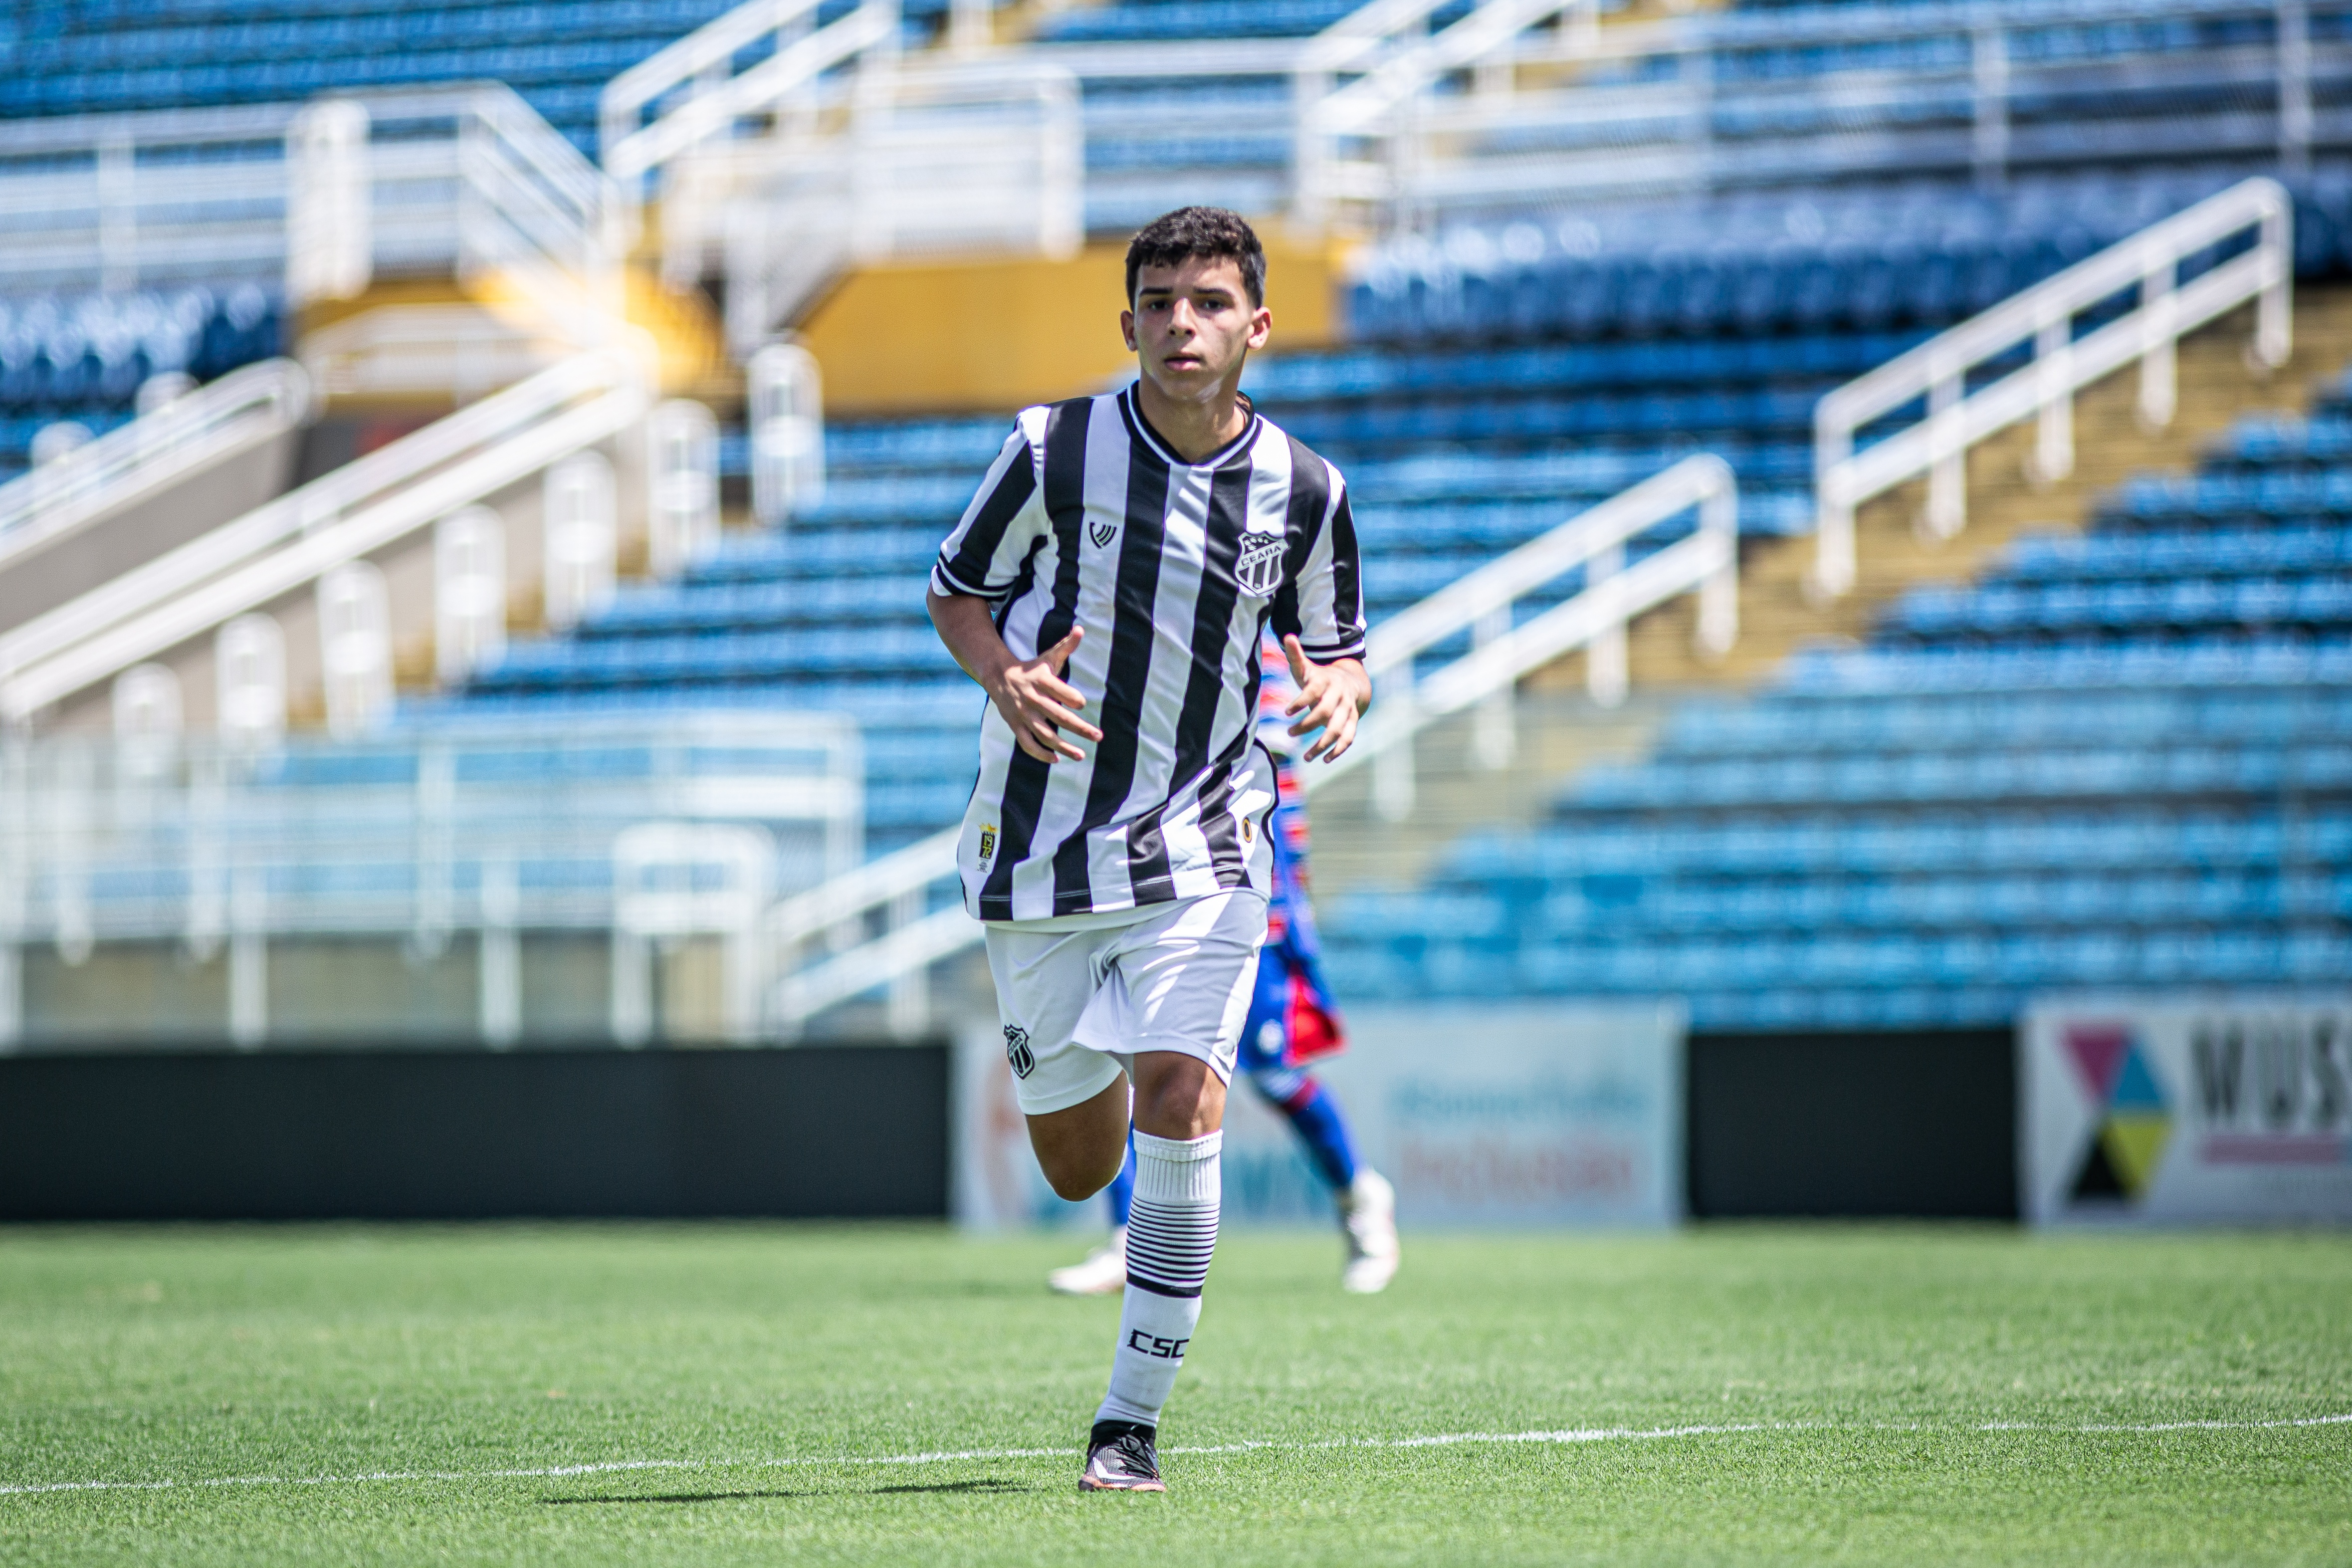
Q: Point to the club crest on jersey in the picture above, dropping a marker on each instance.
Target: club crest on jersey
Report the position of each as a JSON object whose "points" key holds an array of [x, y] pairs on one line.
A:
{"points": [[987, 845], [1102, 532], [1258, 568], [1017, 1052]]}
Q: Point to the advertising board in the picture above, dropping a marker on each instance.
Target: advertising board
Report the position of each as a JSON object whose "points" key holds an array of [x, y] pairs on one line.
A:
{"points": [[2155, 1109], [1483, 1116]]}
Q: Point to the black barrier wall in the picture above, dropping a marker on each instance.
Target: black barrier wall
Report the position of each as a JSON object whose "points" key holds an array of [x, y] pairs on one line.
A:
{"points": [[808, 1132], [1903, 1125]]}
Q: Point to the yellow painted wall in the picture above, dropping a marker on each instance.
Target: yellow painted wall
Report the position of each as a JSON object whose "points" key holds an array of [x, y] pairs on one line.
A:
{"points": [[685, 331], [995, 334]]}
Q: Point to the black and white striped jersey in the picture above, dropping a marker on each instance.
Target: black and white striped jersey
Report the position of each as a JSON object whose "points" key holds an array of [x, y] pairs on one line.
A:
{"points": [[1174, 569]]}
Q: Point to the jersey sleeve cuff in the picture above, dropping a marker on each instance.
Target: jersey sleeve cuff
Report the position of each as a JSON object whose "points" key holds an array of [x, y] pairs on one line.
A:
{"points": [[1325, 653], [947, 585]]}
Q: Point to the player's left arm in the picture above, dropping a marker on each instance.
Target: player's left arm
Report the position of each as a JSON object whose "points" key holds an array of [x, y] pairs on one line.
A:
{"points": [[1326, 650]]}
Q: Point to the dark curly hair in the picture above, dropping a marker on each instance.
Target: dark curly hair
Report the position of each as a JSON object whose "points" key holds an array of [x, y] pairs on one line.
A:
{"points": [[1210, 233]]}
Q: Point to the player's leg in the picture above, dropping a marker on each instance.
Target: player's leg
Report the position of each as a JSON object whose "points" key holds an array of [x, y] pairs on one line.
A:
{"points": [[1081, 1147], [1074, 1098], [1177, 996], [1104, 1270], [1366, 1203], [1314, 1115], [1171, 1235]]}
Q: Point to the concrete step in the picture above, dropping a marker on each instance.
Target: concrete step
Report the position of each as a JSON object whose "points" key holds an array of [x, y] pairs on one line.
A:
{"points": [[1558, 733], [2216, 385]]}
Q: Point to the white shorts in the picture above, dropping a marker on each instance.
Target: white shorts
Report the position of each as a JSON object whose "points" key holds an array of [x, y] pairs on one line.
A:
{"points": [[1079, 1001]]}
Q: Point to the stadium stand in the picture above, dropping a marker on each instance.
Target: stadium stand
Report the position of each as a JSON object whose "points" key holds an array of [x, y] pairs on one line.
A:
{"points": [[2119, 758], [818, 616], [1870, 257], [117, 57], [1512, 355], [1457, 449], [83, 358]]}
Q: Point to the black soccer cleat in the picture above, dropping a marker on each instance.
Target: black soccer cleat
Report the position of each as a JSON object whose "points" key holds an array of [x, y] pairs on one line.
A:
{"points": [[1120, 1458]]}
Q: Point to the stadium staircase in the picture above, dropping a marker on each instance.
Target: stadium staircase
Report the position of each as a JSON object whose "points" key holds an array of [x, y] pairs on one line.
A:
{"points": [[1563, 732], [2119, 756]]}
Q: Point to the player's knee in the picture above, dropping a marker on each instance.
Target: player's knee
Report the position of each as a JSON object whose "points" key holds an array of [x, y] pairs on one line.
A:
{"points": [[1074, 1180], [1183, 1099]]}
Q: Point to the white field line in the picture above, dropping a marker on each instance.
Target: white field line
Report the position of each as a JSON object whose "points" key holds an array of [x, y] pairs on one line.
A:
{"points": [[947, 1455]]}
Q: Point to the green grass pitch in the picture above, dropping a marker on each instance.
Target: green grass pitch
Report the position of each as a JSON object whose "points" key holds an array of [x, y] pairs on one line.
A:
{"points": [[752, 1393]]}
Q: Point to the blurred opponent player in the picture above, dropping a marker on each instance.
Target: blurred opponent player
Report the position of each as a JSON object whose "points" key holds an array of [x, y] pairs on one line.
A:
{"points": [[1292, 1023]]}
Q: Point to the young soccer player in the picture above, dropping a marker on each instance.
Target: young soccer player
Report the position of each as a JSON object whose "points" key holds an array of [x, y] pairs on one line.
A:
{"points": [[1108, 587], [1292, 1024]]}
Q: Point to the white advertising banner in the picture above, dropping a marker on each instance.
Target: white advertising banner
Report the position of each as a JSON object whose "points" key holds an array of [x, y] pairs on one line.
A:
{"points": [[2185, 1109], [1483, 1116]]}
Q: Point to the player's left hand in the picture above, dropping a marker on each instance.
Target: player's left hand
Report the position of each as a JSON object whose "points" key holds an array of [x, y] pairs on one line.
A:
{"points": [[1331, 698]]}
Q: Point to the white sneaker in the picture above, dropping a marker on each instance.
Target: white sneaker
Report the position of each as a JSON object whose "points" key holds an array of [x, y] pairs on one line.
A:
{"points": [[1368, 1219], [1104, 1273]]}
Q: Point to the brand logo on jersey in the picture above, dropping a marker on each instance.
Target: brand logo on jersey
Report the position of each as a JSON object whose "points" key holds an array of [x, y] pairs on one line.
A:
{"points": [[987, 845], [1102, 532], [1249, 834], [1157, 1345], [1258, 569], [1016, 1050]]}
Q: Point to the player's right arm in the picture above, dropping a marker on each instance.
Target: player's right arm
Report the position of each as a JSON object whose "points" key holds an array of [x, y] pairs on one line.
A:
{"points": [[1031, 694], [977, 569]]}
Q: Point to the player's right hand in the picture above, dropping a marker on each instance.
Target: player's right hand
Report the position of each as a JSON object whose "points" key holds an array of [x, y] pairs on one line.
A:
{"points": [[1039, 704]]}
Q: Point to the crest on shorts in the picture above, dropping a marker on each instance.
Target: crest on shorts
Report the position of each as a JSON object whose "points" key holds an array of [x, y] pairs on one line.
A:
{"points": [[1258, 568], [1102, 531], [1016, 1050]]}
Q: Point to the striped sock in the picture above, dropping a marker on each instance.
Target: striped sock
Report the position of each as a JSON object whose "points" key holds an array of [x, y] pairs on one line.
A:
{"points": [[1171, 1233]]}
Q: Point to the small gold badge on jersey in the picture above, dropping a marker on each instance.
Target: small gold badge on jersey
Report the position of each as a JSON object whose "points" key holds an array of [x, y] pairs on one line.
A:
{"points": [[987, 844]]}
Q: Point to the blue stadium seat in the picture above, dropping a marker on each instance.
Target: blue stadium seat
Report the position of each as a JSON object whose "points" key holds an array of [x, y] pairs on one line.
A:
{"points": [[83, 358], [117, 57], [2118, 759]]}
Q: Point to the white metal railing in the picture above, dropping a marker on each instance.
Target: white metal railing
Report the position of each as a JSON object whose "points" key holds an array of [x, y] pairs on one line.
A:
{"points": [[192, 431], [982, 150], [1641, 107], [644, 830], [1378, 103], [2062, 363], [1359, 37], [81, 207], [295, 539], [897, 885], [967, 157], [475, 179], [915, 937], [1376, 121], [1558, 106], [468, 179], [1594, 619], [703, 65]]}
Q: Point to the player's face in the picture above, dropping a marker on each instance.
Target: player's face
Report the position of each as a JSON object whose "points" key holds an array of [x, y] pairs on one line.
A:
{"points": [[1192, 325]]}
